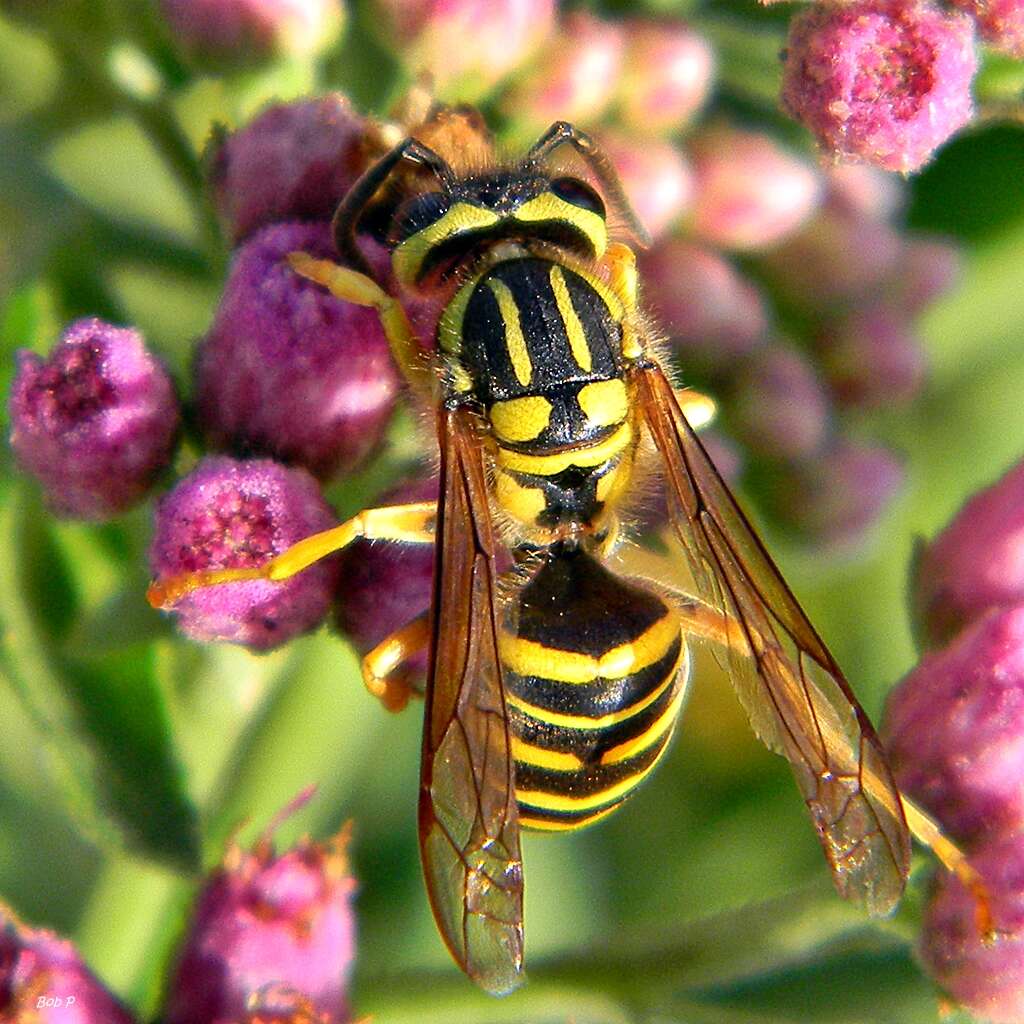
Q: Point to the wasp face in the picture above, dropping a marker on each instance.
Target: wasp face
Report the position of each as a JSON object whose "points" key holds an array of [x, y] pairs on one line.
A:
{"points": [[435, 233]]}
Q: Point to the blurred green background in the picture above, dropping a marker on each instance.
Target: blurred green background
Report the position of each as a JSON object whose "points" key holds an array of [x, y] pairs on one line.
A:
{"points": [[128, 756]]}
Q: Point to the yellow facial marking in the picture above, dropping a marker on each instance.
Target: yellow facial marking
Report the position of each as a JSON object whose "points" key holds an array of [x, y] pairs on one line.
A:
{"points": [[604, 402], [524, 503], [549, 207], [549, 465], [539, 757], [407, 259], [521, 419], [515, 342], [573, 328]]}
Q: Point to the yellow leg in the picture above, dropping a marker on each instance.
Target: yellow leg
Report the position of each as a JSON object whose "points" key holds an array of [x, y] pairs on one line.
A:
{"points": [[384, 668], [620, 261], [411, 524], [350, 285]]}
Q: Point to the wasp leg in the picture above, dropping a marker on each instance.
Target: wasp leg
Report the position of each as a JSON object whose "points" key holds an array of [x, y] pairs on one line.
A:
{"points": [[701, 620], [410, 524], [384, 671], [353, 286]]}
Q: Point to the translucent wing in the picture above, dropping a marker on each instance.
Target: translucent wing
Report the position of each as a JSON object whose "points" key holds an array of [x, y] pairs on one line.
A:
{"points": [[798, 702], [468, 819]]}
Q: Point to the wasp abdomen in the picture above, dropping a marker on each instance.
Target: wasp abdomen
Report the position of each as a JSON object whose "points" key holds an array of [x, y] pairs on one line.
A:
{"points": [[595, 673]]}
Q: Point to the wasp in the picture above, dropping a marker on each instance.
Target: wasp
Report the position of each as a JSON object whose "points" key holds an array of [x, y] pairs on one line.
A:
{"points": [[554, 687]]}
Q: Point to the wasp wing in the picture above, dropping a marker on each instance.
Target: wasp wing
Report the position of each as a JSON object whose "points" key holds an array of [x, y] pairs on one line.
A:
{"points": [[798, 701], [468, 817]]}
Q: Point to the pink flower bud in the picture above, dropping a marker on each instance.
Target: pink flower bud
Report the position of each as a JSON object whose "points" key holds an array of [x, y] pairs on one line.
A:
{"points": [[228, 514], [44, 981], [1000, 23], [929, 268], [95, 423], [288, 370], [232, 32], [872, 358], [294, 161], [865, 190], [976, 563], [269, 932], [464, 45], [778, 406], [839, 258], [750, 193], [667, 75], [656, 177], [710, 312], [573, 77], [986, 976], [954, 728], [884, 81]]}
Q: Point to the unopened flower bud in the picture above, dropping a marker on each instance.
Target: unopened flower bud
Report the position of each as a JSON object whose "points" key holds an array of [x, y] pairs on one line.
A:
{"points": [[872, 358], [838, 258], [573, 77], [954, 728], [385, 586], [710, 312], [465, 46], [865, 190], [288, 370], [834, 498], [225, 33], [1000, 23], [667, 75], [981, 973], [267, 932], [95, 422], [928, 269], [779, 407], [655, 176], [976, 563], [228, 514], [44, 981], [293, 161], [750, 193], [884, 81]]}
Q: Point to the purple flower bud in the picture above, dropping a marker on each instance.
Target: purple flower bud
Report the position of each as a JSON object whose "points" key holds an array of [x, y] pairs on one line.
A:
{"points": [[235, 32], [929, 268], [1000, 23], [655, 175], [264, 925], [750, 193], [231, 514], [573, 77], [464, 45], [712, 314], [840, 257], [95, 422], [667, 76], [385, 586], [872, 358], [833, 498], [287, 369], [954, 728], [44, 981], [294, 161], [976, 563], [778, 405], [865, 190], [984, 975], [884, 81]]}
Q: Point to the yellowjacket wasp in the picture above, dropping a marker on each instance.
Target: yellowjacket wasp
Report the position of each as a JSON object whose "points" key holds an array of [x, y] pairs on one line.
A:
{"points": [[554, 688]]}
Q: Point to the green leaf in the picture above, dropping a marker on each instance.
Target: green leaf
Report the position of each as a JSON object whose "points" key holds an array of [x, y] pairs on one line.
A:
{"points": [[102, 717]]}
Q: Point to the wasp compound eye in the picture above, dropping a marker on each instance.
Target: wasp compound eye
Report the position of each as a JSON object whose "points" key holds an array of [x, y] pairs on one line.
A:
{"points": [[579, 193], [419, 213]]}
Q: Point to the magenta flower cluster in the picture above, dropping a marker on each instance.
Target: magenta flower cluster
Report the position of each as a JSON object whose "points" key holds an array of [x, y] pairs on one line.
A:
{"points": [[271, 941], [954, 728]]}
